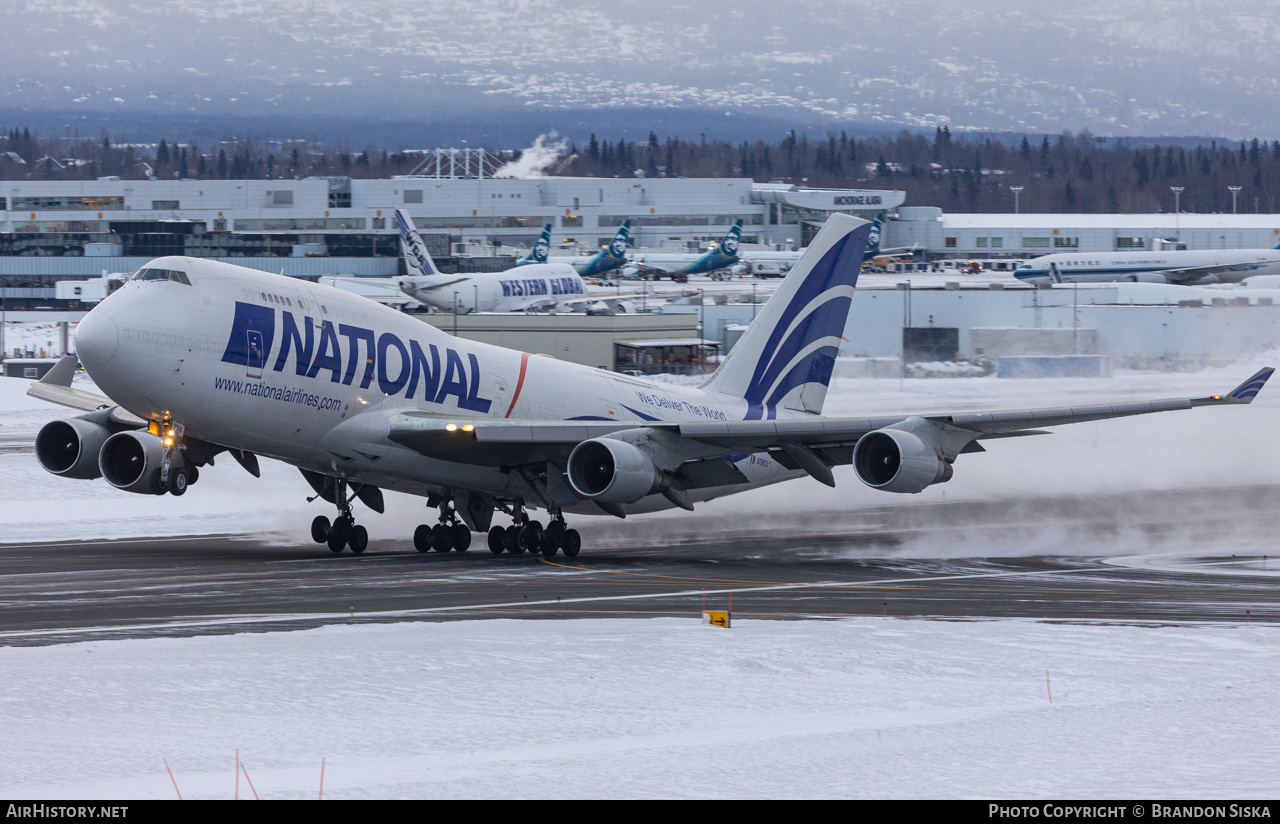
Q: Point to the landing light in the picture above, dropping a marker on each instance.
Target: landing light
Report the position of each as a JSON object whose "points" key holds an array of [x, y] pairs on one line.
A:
{"points": [[451, 427], [467, 427], [1217, 397]]}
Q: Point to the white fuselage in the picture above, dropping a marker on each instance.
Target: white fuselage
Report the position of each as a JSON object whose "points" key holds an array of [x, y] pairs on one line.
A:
{"points": [[531, 285], [312, 376], [1106, 267]]}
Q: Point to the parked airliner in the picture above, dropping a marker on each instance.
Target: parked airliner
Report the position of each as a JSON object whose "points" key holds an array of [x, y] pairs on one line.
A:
{"points": [[200, 359], [602, 262], [1182, 267], [721, 256]]}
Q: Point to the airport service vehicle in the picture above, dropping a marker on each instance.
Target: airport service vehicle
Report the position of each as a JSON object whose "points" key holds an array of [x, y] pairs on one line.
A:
{"points": [[200, 359], [1181, 267], [533, 286]]}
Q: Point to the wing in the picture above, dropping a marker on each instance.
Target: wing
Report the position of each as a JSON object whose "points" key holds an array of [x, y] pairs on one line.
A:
{"points": [[55, 387], [697, 454], [1191, 274], [431, 287]]}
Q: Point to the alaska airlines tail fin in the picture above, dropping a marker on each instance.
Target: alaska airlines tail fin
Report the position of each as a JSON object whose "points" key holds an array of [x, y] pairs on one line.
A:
{"points": [[729, 244], [538, 254], [873, 241], [416, 258], [786, 357], [618, 246]]}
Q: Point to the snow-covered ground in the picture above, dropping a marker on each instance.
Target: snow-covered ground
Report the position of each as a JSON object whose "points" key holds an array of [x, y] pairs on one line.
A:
{"points": [[671, 707], [34, 338], [641, 708]]}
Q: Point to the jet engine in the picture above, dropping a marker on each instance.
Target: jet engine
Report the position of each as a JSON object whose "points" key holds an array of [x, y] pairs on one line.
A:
{"points": [[1146, 277], [898, 461], [70, 448], [612, 471], [131, 461]]}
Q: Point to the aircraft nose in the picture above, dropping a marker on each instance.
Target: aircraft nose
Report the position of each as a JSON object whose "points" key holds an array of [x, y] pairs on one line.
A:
{"points": [[96, 338]]}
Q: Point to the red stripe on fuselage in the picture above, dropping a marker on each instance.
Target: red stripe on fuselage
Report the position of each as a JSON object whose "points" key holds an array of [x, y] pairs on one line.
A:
{"points": [[524, 364]]}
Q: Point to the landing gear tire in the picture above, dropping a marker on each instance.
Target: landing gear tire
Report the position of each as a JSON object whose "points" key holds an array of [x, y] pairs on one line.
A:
{"points": [[554, 534], [461, 537], [193, 475], [422, 538], [549, 549], [156, 487], [530, 537], [511, 540], [319, 528], [497, 540], [178, 483], [359, 539], [337, 539], [442, 537], [572, 543]]}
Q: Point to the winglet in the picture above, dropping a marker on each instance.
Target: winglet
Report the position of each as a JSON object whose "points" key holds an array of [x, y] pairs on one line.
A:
{"points": [[62, 372], [1244, 393]]}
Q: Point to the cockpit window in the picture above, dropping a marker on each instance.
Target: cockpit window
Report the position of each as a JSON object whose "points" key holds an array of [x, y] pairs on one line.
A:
{"points": [[161, 274]]}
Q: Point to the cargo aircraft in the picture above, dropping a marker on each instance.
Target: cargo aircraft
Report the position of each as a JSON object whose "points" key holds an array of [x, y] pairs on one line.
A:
{"points": [[1181, 267], [199, 359], [532, 286]]}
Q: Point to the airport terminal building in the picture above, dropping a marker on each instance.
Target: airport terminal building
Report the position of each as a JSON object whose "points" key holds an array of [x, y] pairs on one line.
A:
{"points": [[328, 226], [939, 234]]}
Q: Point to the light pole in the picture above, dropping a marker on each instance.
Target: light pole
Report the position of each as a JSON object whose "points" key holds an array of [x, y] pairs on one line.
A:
{"points": [[1177, 209], [1235, 190], [1017, 190]]}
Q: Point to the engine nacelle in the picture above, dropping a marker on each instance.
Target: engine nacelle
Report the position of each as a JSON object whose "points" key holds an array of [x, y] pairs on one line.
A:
{"points": [[70, 448], [131, 461], [897, 461], [616, 472], [1146, 277]]}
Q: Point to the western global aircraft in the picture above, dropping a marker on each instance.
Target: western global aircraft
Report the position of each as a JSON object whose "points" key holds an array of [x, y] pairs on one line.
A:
{"points": [[533, 286], [199, 359], [721, 256], [1181, 267]]}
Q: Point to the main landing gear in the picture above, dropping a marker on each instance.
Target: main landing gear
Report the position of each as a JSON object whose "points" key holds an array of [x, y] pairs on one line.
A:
{"points": [[450, 533], [527, 535], [344, 531]]}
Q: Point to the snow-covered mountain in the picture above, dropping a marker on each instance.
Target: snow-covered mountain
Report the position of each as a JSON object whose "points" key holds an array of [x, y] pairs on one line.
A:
{"points": [[1142, 67]]}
